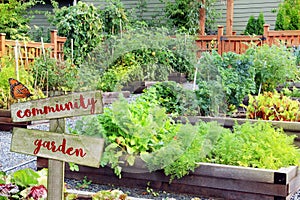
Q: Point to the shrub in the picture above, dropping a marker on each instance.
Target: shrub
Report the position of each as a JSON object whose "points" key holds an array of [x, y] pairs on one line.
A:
{"points": [[255, 26], [14, 19], [288, 16]]}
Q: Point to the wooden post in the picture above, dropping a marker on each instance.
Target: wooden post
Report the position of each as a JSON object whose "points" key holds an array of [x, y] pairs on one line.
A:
{"points": [[229, 18], [202, 18], [54, 42], [56, 168], [220, 34], [2, 45], [266, 33]]}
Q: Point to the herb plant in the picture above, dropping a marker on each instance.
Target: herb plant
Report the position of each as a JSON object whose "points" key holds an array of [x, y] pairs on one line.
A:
{"points": [[256, 145]]}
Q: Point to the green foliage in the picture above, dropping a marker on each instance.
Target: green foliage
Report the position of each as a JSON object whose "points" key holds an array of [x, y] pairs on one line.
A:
{"points": [[114, 17], [25, 177], [82, 24], [173, 97], [184, 15], [138, 55], [14, 19], [273, 106], [233, 71], [256, 145], [273, 65], [52, 74], [22, 182], [293, 92], [7, 70], [255, 26], [202, 143], [288, 16]]}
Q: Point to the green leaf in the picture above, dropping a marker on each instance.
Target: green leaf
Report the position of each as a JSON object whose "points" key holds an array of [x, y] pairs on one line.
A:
{"points": [[25, 177]]}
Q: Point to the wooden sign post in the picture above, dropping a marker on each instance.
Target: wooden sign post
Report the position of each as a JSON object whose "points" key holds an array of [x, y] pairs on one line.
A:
{"points": [[56, 145]]}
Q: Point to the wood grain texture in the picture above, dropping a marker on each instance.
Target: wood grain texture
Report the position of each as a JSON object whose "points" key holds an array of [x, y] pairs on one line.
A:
{"points": [[25, 141], [76, 104]]}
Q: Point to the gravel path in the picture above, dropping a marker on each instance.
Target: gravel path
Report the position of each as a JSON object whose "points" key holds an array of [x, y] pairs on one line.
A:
{"points": [[10, 162]]}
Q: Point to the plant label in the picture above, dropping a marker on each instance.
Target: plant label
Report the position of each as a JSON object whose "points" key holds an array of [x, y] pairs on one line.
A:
{"points": [[79, 149], [77, 104]]}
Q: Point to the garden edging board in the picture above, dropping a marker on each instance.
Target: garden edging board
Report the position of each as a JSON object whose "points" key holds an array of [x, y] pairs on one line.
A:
{"points": [[208, 180]]}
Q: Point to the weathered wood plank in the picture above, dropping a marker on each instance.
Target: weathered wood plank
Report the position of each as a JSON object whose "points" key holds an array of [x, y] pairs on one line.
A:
{"points": [[75, 104], [235, 172], [56, 168], [65, 147]]}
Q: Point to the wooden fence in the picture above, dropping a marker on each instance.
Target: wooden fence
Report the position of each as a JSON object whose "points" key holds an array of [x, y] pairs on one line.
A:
{"points": [[240, 43], [27, 51]]}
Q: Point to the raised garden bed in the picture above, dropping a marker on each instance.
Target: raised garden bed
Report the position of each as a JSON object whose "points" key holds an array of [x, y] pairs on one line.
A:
{"points": [[208, 180], [290, 128], [6, 123]]}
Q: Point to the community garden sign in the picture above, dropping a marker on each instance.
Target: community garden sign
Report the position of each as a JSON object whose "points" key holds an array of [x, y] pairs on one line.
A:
{"points": [[54, 144]]}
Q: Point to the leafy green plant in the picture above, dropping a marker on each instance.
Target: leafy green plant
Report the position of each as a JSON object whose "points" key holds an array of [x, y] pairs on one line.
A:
{"points": [[84, 184], [14, 19], [24, 184], [53, 74], [82, 24], [138, 55], [256, 145], [294, 92], [273, 65], [273, 106], [140, 129], [173, 97], [288, 16], [255, 26], [234, 73]]}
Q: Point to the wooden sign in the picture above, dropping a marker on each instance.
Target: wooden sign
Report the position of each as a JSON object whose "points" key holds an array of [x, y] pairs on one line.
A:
{"points": [[71, 105], [79, 149]]}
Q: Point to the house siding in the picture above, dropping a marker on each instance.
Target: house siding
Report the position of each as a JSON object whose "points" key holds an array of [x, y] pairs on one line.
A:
{"points": [[242, 11]]}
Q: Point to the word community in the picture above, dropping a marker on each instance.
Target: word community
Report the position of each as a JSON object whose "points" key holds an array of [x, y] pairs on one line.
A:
{"points": [[77, 104], [52, 146]]}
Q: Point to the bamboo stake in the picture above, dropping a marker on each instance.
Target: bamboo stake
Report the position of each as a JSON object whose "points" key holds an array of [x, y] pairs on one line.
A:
{"points": [[72, 51], [17, 62], [19, 52], [43, 48], [26, 54]]}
